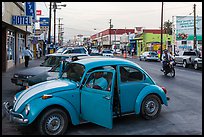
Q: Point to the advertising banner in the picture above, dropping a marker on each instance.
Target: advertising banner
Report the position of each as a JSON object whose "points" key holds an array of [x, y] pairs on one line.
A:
{"points": [[185, 28], [31, 10], [44, 22]]}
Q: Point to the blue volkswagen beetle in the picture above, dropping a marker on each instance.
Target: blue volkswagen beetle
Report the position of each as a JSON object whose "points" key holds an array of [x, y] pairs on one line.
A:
{"points": [[78, 96]]}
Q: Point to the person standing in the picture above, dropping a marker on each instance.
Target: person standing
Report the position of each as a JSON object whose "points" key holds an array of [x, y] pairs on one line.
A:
{"points": [[27, 55]]}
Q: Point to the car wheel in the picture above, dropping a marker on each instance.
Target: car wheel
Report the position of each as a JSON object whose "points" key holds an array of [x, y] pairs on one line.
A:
{"points": [[184, 64], [140, 59], [196, 65], [151, 107], [53, 122], [145, 59], [172, 72]]}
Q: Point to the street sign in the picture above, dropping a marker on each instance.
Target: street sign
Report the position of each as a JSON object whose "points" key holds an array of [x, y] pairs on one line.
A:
{"points": [[38, 12], [31, 9], [21, 20], [44, 21]]}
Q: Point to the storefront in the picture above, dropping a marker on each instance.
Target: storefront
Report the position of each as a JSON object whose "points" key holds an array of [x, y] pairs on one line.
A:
{"points": [[14, 38]]}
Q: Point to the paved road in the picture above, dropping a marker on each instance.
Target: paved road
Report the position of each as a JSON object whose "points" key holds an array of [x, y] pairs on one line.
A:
{"points": [[183, 116]]}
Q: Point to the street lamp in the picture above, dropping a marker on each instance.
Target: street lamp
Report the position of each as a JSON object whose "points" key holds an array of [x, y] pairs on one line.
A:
{"points": [[55, 6]]}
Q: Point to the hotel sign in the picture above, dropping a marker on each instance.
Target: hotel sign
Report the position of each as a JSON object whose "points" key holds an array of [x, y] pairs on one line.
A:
{"points": [[21, 20]]}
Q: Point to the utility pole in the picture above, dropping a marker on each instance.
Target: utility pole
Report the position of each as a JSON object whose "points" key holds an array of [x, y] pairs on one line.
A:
{"points": [[59, 31], [110, 31], [161, 31], [54, 7], [50, 16], [194, 42]]}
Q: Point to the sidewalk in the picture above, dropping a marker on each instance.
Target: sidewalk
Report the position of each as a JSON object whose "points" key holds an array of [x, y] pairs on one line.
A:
{"points": [[9, 89], [128, 56]]}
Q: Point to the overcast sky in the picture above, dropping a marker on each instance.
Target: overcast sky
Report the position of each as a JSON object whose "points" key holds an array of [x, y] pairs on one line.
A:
{"points": [[84, 17]]}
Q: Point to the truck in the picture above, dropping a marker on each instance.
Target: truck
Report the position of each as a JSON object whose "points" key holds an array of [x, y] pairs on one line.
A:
{"points": [[186, 58]]}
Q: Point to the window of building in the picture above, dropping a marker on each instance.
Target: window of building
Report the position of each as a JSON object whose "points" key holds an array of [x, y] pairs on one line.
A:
{"points": [[10, 46], [21, 45], [183, 42], [199, 41]]}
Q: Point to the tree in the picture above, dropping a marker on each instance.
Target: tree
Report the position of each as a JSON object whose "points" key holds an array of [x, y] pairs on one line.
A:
{"points": [[168, 27]]}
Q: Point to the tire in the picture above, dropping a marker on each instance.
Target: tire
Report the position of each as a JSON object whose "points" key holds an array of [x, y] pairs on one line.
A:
{"points": [[53, 116], [150, 113], [185, 64], [195, 65], [140, 59], [145, 59], [172, 73]]}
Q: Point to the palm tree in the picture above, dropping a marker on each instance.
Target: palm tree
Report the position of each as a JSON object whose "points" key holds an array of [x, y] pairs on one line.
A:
{"points": [[168, 27]]}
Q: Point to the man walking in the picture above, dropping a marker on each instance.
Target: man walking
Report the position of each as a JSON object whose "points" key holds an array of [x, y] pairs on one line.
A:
{"points": [[27, 55]]}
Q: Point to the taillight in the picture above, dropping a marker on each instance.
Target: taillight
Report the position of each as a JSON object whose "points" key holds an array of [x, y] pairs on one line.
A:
{"points": [[164, 89]]}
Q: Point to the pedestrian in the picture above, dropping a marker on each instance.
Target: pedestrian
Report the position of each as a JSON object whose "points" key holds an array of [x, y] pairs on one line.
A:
{"points": [[40, 49], [122, 50], [132, 51], [27, 55]]}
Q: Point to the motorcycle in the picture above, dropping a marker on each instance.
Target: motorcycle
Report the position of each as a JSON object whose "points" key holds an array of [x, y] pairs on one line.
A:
{"points": [[169, 69]]}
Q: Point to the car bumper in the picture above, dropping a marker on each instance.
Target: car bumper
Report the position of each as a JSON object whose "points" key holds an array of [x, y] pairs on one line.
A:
{"points": [[13, 116], [19, 82], [153, 58]]}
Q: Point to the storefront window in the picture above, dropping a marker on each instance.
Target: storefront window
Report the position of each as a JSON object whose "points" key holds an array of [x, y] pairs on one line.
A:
{"points": [[10, 47], [21, 45]]}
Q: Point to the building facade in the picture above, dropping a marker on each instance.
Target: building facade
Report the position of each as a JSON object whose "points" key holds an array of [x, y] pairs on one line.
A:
{"points": [[14, 38]]}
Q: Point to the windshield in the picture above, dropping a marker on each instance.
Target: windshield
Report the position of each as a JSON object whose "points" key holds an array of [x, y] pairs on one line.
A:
{"points": [[190, 53], [51, 61], [61, 50], [74, 72]]}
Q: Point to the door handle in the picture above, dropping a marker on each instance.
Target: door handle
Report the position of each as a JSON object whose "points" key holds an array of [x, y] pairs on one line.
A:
{"points": [[107, 97]]}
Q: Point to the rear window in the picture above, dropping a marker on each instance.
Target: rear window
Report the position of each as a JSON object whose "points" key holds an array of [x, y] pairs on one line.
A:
{"points": [[153, 53], [189, 53]]}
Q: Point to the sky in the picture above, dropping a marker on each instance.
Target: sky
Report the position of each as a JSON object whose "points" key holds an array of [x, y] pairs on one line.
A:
{"points": [[89, 18]]}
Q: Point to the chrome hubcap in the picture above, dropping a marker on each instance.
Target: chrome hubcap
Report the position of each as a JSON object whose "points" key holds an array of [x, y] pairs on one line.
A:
{"points": [[196, 66], [151, 107], [53, 123]]}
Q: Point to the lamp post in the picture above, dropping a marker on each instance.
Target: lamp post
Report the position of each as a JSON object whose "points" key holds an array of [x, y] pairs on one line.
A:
{"points": [[55, 6], [161, 30]]}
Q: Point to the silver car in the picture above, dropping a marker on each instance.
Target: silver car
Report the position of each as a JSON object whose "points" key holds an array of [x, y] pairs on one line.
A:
{"points": [[149, 55]]}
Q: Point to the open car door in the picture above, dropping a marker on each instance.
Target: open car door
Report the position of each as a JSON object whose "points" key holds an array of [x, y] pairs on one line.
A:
{"points": [[97, 104]]}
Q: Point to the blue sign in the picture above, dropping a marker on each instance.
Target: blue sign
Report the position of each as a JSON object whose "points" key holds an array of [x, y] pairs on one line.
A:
{"points": [[44, 22], [31, 10], [21, 20]]}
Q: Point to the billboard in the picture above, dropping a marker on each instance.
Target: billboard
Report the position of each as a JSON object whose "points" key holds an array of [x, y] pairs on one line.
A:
{"points": [[185, 28], [44, 21]]}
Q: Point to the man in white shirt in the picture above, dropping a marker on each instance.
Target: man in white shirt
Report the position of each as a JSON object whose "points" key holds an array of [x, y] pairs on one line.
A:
{"points": [[27, 55]]}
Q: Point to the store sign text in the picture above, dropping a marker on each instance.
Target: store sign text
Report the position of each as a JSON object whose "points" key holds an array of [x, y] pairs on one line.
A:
{"points": [[21, 20]]}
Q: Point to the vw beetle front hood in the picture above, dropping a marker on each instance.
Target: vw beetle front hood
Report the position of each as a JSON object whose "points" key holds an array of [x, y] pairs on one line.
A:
{"points": [[40, 89]]}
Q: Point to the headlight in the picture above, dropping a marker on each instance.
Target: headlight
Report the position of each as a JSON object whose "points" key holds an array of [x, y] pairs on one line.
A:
{"points": [[28, 76], [27, 109], [15, 75]]}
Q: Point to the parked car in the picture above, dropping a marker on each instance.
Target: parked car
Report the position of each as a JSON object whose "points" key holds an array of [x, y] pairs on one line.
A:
{"points": [[107, 52], [198, 62], [71, 50], [149, 55], [185, 58], [61, 49], [20, 78], [53, 73], [71, 100]]}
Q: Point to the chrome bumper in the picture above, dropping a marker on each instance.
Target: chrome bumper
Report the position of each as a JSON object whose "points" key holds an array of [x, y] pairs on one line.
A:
{"points": [[13, 117]]}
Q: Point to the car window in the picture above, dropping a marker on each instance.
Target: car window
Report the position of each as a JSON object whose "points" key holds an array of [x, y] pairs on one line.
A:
{"points": [[153, 53], [74, 71], [51, 61], [128, 74], [100, 80], [189, 53]]}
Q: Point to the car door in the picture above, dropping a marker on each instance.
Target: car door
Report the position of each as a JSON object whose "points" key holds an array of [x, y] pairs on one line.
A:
{"points": [[96, 104], [131, 82]]}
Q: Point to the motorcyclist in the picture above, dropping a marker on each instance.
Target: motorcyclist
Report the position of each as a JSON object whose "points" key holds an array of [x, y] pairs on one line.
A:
{"points": [[166, 58]]}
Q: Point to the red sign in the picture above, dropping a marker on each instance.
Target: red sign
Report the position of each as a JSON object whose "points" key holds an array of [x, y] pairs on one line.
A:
{"points": [[38, 12]]}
